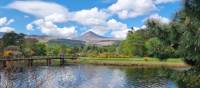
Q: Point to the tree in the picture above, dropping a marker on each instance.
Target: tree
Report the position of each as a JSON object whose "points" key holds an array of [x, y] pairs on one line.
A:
{"points": [[12, 38], [155, 28], [133, 45], [190, 42], [157, 48], [27, 48], [153, 46], [54, 49], [40, 49]]}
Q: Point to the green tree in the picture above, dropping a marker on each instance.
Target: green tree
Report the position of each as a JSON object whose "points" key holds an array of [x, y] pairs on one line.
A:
{"points": [[40, 49], [27, 48], [133, 45], [54, 49], [153, 46], [190, 42], [12, 38], [157, 48]]}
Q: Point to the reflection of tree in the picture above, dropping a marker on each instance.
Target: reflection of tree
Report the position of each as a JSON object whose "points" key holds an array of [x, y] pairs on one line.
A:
{"points": [[149, 77], [187, 79], [145, 77]]}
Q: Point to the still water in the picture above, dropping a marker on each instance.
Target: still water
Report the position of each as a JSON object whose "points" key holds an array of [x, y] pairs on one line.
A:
{"points": [[86, 76]]}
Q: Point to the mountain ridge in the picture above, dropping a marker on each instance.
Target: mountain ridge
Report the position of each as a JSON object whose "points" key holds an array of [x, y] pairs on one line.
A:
{"points": [[88, 38]]}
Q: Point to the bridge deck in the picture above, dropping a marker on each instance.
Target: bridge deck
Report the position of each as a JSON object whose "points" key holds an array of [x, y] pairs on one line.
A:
{"points": [[47, 58]]}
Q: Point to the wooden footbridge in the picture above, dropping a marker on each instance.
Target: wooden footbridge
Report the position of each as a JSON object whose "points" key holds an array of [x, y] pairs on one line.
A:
{"points": [[48, 59]]}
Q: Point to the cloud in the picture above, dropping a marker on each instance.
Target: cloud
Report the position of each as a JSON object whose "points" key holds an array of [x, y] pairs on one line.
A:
{"points": [[119, 30], [132, 8], [94, 19], [29, 27], [6, 29], [159, 18], [92, 16], [51, 29], [41, 9], [120, 34], [4, 21], [115, 25]]}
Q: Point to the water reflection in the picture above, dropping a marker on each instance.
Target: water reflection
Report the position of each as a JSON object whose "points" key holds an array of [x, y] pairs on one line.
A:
{"points": [[90, 76]]}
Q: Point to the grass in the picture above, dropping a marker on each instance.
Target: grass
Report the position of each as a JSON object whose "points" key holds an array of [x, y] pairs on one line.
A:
{"points": [[135, 61]]}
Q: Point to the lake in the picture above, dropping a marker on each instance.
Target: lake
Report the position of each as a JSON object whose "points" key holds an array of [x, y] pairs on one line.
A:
{"points": [[88, 76]]}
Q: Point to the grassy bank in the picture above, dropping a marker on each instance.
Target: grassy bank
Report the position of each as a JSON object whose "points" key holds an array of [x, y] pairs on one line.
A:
{"points": [[136, 61]]}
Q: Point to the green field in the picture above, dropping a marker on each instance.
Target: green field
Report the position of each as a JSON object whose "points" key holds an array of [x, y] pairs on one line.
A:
{"points": [[135, 61]]}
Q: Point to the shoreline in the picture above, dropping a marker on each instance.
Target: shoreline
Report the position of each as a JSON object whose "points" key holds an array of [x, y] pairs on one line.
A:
{"points": [[135, 62], [132, 63]]}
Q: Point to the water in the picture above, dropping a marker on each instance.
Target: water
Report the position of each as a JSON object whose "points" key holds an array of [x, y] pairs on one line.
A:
{"points": [[86, 76]]}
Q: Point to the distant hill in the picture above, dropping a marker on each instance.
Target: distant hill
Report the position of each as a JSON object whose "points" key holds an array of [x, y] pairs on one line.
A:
{"points": [[43, 38], [67, 42], [89, 38], [92, 38]]}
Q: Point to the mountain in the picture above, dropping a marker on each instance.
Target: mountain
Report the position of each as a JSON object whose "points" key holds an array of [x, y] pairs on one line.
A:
{"points": [[43, 38], [92, 38], [89, 38], [67, 42]]}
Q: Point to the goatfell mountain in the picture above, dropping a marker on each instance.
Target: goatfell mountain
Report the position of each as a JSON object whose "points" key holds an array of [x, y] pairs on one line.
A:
{"points": [[93, 39], [88, 38]]}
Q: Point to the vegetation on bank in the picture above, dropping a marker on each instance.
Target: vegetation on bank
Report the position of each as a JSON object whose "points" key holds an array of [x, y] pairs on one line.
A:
{"points": [[135, 61]]}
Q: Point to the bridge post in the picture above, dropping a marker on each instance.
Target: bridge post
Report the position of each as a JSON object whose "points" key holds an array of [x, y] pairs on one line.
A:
{"points": [[30, 62], [4, 63], [62, 60], [48, 61]]}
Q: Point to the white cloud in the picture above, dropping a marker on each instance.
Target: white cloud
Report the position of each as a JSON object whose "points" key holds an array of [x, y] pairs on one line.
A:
{"points": [[29, 27], [56, 18], [51, 29], [120, 34], [138, 28], [132, 8], [159, 18], [4, 21], [97, 20], [6, 29], [92, 16], [41, 9], [164, 1], [100, 30], [114, 25], [118, 30]]}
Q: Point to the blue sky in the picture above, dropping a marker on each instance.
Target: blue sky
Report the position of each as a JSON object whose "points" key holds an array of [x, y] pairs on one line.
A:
{"points": [[72, 18]]}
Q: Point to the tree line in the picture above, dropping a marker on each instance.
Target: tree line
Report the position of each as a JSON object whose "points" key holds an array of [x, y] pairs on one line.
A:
{"points": [[179, 38]]}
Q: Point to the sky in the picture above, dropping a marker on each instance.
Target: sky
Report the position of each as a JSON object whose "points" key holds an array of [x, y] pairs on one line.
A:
{"points": [[72, 18]]}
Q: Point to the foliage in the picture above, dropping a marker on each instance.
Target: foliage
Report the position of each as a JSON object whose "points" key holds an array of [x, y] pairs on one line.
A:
{"points": [[40, 49], [12, 38], [190, 42], [153, 46], [133, 45], [156, 48]]}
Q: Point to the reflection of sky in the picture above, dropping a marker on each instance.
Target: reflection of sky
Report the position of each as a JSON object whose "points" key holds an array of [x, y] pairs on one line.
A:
{"points": [[83, 76]]}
